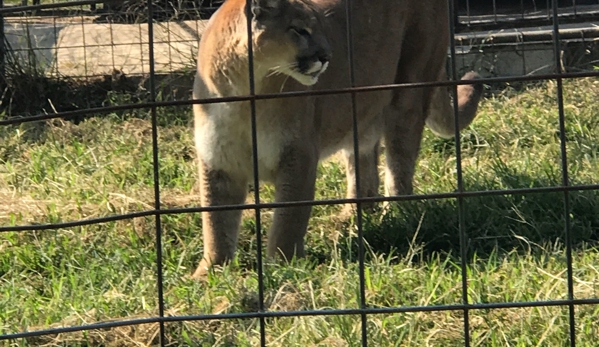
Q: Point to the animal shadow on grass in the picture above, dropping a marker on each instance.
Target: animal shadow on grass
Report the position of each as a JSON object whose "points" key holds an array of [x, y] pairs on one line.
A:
{"points": [[493, 224], [497, 224]]}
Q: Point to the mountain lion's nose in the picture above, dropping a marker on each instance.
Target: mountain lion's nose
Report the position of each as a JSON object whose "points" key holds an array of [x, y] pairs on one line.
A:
{"points": [[324, 58]]}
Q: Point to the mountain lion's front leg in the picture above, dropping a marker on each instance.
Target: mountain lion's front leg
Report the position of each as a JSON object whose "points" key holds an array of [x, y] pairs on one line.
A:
{"points": [[294, 181], [220, 229]]}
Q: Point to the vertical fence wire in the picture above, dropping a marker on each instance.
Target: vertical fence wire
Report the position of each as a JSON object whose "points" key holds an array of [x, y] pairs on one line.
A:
{"points": [[86, 67], [156, 172], [54, 66], [2, 45], [523, 52], [356, 145], [256, 182], [565, 178], [460, 183], [112, 46], [495, 10]]}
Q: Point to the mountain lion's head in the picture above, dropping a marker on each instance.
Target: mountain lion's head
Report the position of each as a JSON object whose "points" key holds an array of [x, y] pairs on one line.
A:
{"points": [[288, 38]]}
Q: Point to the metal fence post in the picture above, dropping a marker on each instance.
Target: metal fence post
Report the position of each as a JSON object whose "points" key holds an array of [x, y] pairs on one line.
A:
{"points": [[2, 44]]}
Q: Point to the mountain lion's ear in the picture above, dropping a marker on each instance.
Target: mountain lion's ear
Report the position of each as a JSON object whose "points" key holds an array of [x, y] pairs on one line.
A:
{"points": [[261, 8]]}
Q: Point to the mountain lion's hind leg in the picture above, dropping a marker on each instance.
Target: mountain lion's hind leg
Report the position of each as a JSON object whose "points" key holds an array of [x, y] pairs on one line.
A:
{"points": [[404, 123], [369, 177]]}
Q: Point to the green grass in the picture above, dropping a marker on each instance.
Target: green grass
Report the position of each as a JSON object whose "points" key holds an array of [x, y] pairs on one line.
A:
{"points": [[59, 171]]}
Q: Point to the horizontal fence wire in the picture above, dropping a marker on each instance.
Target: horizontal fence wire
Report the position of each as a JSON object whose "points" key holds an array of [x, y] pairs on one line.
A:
{"points": [[146, 105], [315, 313], [52, 5], [269, 205], [566, 188]]}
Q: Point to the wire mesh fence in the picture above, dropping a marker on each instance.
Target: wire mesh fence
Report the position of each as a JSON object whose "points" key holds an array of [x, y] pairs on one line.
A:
{"points": [[135, 59], [480, 15]]}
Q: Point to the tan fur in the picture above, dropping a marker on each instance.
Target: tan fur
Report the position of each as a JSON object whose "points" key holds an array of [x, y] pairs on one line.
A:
{"points": [[393, 42]]}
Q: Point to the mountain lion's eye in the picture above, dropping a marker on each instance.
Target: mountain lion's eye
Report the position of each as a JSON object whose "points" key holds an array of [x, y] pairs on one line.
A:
{"points": [[301, 32]]}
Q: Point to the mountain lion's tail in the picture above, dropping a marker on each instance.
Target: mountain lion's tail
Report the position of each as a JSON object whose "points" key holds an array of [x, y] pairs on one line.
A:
{"points": [[441, 118]]}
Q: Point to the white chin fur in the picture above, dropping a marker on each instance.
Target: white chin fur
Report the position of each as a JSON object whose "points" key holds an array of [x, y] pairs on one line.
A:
{"points": [[305, 80], [310, 78], [316, 67]]}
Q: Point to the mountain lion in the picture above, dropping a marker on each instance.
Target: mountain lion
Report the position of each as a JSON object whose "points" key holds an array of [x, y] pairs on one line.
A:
{"points": [[302, 45]]}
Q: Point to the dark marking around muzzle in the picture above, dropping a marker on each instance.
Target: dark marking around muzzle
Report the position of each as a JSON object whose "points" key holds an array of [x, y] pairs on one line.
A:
{"points": [[304, 63]]}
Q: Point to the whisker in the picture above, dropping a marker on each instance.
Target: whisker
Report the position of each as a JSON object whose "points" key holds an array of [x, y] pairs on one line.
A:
{"points": [[273, 72], [279, 69], [283, 84], [290, 65]]}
